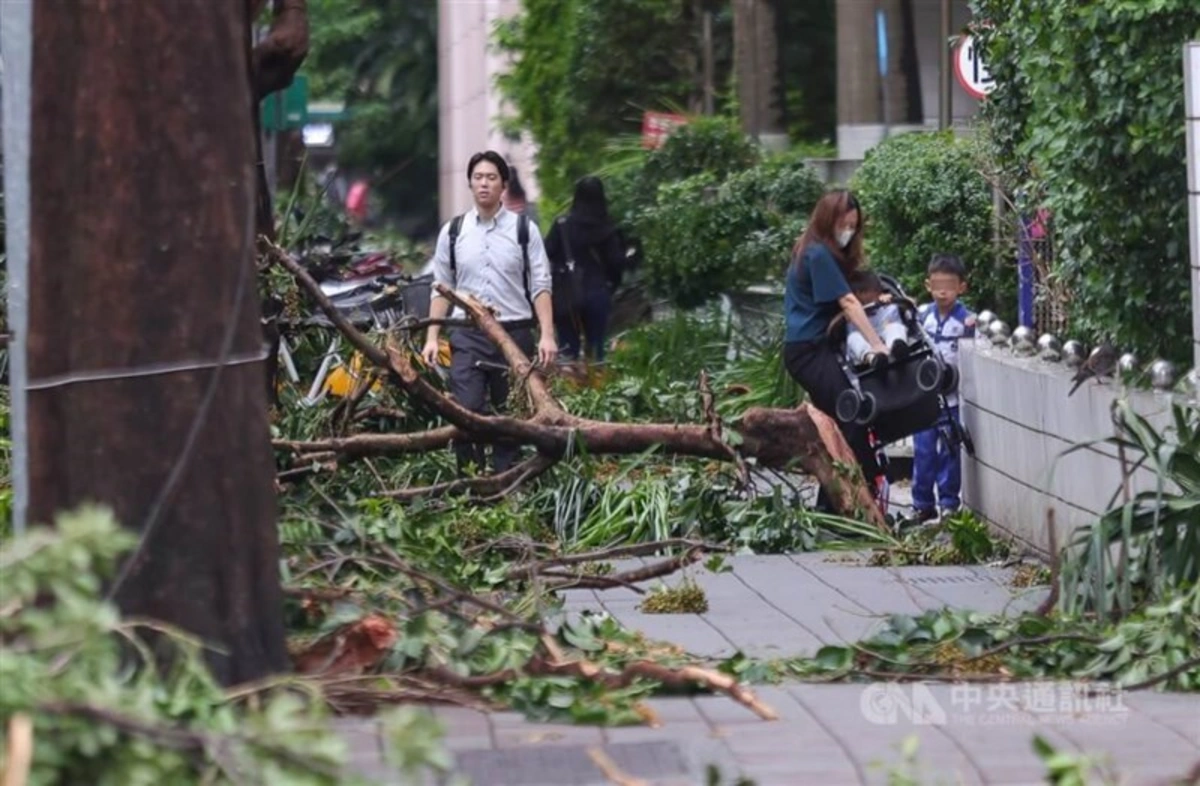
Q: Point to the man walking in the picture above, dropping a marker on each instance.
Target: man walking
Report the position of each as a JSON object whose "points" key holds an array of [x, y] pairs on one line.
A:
{"points": [[497, 256]]}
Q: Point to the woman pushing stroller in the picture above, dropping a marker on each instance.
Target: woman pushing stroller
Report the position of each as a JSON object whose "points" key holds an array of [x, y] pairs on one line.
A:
{"points": [[824, 260]]}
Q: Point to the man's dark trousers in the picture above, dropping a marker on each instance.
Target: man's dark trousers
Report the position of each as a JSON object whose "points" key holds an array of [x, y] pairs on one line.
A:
{"points": [[479, 381]]}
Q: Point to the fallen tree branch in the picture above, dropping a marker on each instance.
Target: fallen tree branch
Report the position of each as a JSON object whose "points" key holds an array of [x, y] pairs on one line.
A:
{"points": [[775, 437], [716, 431], [628, 579], [1187, 665], [618, 552], [278, 56], [644, 669], [1033, 641], [1051, 601], [548, 659], [539, 393], [363, 445], [495, 485], [380, 412], [296, 473]]}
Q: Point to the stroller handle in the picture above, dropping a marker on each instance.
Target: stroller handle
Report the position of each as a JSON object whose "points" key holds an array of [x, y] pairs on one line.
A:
{"points": [[903, 303]]}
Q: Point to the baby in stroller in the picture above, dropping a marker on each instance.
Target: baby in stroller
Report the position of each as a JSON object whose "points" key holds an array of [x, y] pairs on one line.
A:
{"points": [[885, 318], [902, 393]]}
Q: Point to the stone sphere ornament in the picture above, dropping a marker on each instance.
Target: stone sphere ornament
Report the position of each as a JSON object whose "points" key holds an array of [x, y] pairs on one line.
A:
{"points": [[1127, 365], [1074, 353], [998, 332], [1162, 374], [1024, 340], [1049, 348], [985, 318]]}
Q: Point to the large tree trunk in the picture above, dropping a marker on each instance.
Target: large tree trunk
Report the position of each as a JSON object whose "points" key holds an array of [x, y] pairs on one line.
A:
{"points": [[756, 66], [144, 347]]}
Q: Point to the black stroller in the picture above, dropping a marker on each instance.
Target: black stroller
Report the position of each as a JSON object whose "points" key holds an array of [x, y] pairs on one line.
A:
{"points": [[901, 397]]}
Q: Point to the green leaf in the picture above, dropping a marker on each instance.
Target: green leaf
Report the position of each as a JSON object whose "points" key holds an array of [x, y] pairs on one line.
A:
{"points": [[831, 658]]}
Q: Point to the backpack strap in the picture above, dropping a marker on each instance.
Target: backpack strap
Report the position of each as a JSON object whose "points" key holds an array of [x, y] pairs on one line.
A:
{"points": [[523, 239], [455, 228]]}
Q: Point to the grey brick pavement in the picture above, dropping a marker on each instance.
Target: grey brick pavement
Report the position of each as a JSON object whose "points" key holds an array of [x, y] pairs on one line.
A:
{"points": [[827, 734], [779, 606]]}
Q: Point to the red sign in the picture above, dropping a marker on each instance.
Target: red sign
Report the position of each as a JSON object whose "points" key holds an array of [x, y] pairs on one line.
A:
{"points": [[657, 126], [971, 69]]}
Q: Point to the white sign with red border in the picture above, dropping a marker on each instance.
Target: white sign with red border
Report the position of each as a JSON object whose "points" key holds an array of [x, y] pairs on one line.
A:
{"points": [[970, 69]]}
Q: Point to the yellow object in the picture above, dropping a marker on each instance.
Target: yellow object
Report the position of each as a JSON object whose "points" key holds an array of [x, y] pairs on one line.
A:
{"points": [[341, 380], [443, 352]]}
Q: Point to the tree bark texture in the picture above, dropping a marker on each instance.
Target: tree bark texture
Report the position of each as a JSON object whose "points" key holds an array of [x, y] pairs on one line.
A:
{"points": [[143, 207], [279, 55]]}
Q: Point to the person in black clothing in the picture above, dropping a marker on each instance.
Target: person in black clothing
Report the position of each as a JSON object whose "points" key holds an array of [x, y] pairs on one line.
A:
{"points": [[586, 257], [824, 258]]}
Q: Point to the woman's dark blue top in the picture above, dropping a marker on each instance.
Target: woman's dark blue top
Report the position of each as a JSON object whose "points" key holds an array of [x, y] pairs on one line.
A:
{"points": [[810, 300]]}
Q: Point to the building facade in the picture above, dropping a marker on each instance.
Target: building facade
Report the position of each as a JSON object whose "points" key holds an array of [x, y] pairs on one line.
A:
{"points": [[470, 103], [911, 104]]}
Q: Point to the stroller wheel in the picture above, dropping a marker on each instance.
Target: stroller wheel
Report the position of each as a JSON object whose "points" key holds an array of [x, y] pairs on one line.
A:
{"points": [[929, 375], [950, 380], [867, 409], [848, 402]]}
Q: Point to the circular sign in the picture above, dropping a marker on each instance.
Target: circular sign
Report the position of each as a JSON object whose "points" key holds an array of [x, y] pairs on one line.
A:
{"points": [[970, 69]]}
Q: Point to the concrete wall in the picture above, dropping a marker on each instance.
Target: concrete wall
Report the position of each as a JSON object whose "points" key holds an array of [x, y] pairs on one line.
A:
{"points": [[470, 104], [1021, 420]]}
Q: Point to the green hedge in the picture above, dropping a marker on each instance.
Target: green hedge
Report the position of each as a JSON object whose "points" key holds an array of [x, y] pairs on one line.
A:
{"points": [[922, 194], [1088, 109], [707, 144], [705, 235], [582, 72]]}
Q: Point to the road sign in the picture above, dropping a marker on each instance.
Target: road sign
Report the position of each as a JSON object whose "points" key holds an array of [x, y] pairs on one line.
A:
{"points": [[286, 108], [970, 69]]}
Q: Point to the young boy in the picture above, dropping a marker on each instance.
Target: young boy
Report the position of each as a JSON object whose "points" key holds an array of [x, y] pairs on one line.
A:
{"points": [[867, 287], [945, 320]]}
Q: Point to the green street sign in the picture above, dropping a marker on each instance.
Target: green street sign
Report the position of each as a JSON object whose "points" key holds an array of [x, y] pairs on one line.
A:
{"points": [[287, 108]]}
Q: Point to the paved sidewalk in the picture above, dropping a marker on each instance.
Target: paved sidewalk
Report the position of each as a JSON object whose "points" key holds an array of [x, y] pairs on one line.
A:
{"points": [[827, 734], [789, 605], [823, 738]]}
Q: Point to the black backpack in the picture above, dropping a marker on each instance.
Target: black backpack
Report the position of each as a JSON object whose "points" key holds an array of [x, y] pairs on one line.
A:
{"points": [[522, 239]]}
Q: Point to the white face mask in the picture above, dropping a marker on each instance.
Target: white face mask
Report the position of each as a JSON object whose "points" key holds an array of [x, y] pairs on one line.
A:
{"points": [[844, 237]]}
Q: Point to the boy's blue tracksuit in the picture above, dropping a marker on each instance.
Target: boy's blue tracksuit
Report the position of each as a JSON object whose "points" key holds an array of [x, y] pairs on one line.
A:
{"points": [[935, 463]]}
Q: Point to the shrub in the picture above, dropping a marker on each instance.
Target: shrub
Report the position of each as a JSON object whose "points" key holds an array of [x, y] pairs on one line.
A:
{"points": [[923, 194], [707, 144], [703, 237], [582, 71], [1088, 107]]}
